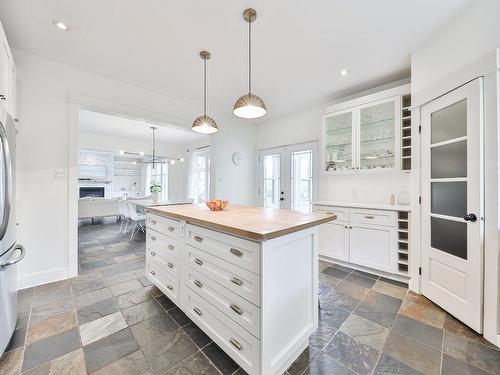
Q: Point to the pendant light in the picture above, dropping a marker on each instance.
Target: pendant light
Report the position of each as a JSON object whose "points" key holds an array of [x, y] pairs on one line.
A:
{"points": [[249, 105], [204, 124]]}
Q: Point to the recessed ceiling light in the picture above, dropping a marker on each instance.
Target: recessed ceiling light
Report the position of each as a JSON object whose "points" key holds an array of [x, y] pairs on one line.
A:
{"points": [[344, 72], [121, 152], [60, 25], [172, 162], [141, 153], [181, 160]]}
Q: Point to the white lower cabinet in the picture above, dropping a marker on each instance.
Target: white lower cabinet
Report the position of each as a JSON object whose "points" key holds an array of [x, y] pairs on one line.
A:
{"points": [[373, 247], [365, 237], [334, 240]]}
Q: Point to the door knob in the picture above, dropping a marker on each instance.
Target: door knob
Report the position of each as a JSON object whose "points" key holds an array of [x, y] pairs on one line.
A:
{"points": [[470, 217]]}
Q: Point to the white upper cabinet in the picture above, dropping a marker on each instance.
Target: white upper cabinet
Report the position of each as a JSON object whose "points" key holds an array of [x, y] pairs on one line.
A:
{"points": [[364, 134], [8, 77]]}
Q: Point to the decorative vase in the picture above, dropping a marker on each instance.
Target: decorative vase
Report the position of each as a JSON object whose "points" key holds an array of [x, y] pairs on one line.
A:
{"points": [[155, 197]]}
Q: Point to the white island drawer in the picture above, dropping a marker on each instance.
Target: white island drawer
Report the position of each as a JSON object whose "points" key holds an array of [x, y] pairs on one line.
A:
{"points": [[159, 243], [238, 309], [235, 250], [163, 280], [242, 282], [164, 225], [234, 340]]}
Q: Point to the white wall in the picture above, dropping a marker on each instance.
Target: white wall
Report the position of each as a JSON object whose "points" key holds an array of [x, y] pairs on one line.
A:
{"points": [[43, 147], [305, 125], [471, 34], [235, 183]]}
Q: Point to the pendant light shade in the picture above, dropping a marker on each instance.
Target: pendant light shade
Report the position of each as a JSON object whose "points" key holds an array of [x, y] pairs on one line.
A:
{"points": [[204, 124], [249, 105]]}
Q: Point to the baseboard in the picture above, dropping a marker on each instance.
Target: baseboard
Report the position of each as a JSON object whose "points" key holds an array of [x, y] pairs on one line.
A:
{"points": [[39, 278]]}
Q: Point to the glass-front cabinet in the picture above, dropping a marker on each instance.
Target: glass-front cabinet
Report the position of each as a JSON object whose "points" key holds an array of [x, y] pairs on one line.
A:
{"points": [[363, 138]]}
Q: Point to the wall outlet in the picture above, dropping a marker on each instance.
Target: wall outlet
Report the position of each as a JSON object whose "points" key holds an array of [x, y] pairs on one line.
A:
{"points": [[61, 174]]}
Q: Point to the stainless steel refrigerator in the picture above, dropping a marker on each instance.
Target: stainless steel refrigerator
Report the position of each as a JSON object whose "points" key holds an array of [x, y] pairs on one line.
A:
{"points": [[10, 252]]}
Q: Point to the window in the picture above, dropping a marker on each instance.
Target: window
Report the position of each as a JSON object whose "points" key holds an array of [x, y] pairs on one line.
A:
{"points": [[199, 176], [159, 174], [272, 185]]}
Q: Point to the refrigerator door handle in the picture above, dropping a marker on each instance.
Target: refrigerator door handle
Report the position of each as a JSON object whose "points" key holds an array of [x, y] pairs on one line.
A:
{"points": [[7, 182], [18, 259]]}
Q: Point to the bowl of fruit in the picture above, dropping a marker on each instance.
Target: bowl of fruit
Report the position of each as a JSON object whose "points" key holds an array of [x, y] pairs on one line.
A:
{"points": [[217, 204]]}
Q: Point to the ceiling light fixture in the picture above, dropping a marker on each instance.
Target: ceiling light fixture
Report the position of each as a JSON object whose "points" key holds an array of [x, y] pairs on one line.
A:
{"points": [[344, 72], [60, 25], [121, 152], [249, 105], [141, 153], [204, 124]]}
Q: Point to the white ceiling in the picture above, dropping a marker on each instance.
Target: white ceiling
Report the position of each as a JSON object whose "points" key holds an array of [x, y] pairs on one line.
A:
{"points": [[299, 46], [105, 124]]}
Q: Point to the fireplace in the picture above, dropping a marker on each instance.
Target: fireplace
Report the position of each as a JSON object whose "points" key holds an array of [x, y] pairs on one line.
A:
{"points": [[92, 192]]}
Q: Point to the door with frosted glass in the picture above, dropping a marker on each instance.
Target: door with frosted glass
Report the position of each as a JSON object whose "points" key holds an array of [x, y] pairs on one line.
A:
{"points": [[452, 212]]}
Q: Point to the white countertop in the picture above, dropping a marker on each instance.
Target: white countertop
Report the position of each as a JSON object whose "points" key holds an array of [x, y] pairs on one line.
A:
{"points": [[375, 206]]}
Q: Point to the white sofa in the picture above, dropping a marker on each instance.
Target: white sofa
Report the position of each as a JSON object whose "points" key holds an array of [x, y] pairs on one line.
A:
{"points": [[91, 207]]}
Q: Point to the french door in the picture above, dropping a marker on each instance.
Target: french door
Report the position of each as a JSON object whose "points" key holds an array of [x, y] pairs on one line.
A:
{"points": [[288, 176], [452, 209]]}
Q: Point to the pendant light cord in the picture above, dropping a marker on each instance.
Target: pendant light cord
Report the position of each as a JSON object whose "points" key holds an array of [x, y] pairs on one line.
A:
{"points": [[249, 57], [204, 87]]}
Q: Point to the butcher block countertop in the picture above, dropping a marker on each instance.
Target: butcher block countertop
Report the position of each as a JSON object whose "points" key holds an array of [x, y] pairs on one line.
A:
{"points": [[251, 222]]}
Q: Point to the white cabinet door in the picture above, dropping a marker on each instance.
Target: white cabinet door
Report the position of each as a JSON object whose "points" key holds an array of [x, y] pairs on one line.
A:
{"points": [[373, 247], [333, 241], [338, 154]]}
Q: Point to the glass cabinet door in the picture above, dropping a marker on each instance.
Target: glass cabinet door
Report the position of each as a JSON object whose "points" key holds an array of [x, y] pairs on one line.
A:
{"points": [[377, 136], [338, 142]]}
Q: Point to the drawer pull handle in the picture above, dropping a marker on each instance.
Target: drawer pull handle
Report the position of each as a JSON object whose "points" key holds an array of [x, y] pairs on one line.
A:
{"points": [[170, 247], [153, 222], [198, 261], [198, 311], [198, 283], [236, 309], [369, 217], [153, 253], [236, 252], [170, 287], [198, 238], [171, 229], [170, 265], [153, 273], [236, 281], [153, 238], [236, 344]]}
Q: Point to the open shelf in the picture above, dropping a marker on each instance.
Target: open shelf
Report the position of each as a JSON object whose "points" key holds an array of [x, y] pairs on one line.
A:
{"points": [[406, 132], [403, 242]]}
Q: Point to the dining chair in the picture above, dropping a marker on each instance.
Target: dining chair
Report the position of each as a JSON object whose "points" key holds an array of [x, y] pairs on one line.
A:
{"points": [[138, 220]]}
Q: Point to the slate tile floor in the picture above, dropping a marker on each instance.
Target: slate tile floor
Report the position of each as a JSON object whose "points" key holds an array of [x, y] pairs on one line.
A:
{"points": [[111, 320]]}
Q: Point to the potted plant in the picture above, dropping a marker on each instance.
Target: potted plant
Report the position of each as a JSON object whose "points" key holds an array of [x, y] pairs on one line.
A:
{"points": [[155, 189]]}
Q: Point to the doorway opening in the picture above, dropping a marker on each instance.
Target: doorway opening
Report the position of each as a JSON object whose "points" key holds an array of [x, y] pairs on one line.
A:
{"points": [[125, 165]]}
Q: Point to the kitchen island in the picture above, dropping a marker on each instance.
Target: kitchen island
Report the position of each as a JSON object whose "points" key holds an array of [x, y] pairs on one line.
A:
{"points": [[247, 276]]}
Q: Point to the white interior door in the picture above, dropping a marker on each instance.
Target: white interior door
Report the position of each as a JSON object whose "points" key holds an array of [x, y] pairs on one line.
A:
{"points": [[271, 190], [289, 176], [452, 196]]}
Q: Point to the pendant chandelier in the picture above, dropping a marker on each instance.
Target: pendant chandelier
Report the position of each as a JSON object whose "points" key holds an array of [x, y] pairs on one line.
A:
{"points": [[204, 124], [249, 105]]}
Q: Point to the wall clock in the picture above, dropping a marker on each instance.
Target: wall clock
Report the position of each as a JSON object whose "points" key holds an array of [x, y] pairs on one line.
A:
{"points": [[236, 158]]}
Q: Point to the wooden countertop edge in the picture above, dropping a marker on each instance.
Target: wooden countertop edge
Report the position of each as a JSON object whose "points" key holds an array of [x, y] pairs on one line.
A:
{"points": [[241, 232]]}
